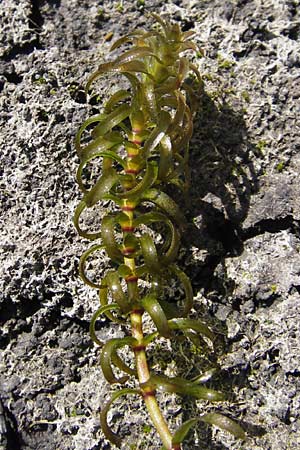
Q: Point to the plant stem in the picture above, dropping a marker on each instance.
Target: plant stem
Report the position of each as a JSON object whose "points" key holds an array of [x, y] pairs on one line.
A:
{"points": [[136, 314], [143, 369], [144, 376]]}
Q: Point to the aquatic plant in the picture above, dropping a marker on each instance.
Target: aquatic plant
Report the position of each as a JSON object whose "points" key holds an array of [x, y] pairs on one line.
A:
{"points": [[137, 149]]}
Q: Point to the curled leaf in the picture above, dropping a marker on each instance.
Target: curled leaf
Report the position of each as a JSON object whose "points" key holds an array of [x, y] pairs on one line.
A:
{"points": [[103, 297], [158, 133], [82, 262], [105, 154], [117, 97], [180, 111], [102, 310], [103, 185], [190, 324], [147, 181], [100, 144], [109, 356], [114, 285], [112, 119], [166, 158], [172, 244], [155, 311], [127, 38], [136, 52], [78, 211], [185, 387], [166, 203], [133, 66], [108, 237], [85, 124], [109, 434], [223, 422], [150, 253], [183, 70], [124, 271]]}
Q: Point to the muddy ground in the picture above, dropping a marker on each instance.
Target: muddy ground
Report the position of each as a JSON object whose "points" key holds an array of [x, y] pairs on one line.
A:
{"points": [[242, 251]]}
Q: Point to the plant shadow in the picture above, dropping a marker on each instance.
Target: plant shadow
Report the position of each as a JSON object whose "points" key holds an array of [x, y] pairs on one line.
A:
{"points": [[223, 179]]}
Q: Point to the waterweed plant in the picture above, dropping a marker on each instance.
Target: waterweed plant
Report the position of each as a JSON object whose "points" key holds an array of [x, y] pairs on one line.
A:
{"points": [[140, 142]]}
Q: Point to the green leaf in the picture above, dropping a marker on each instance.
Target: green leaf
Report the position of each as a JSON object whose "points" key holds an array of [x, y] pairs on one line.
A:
{"points": [[149, 338], [179, 114], [172, 252], [157, 134], [197, 73], [101, 143], [170, 309], [150, 253], [102, 310], [184, 131], [172, 244], [150, 217], [124, 271], [118, 362], [149, 99], [185, 387], [166, 203], [164, 24], [119, 66], [114, 285], [133, 66], [115, 98], [166, 158], [155, 311], [112, 119], [102, 68], [188, 45], [78, 211], [190, 324], [109, 434], [127, 38], [225, 423], [108, 238], [103, 297], [183, 430], [183, 70], [147, 181], [136, 52], [85, 124], [103, 185], [109, 356], [193, 98], [135, 84], [82, 262], [105, 154]]}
